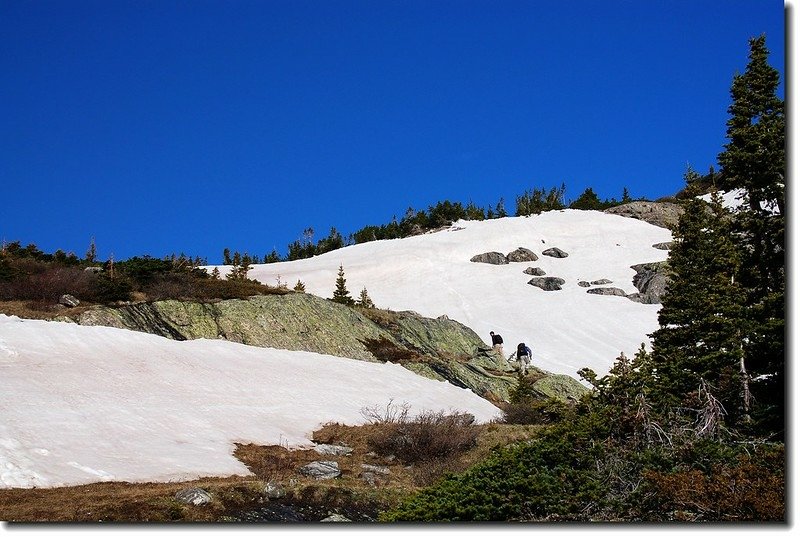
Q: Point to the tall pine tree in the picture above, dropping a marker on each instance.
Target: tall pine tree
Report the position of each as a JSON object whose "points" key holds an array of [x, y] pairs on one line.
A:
{"points": [[340, 293], [754, 162], [701, 318]]}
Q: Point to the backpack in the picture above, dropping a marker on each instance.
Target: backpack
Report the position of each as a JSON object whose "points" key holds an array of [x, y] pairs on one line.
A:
{"points": [[523, 349]]}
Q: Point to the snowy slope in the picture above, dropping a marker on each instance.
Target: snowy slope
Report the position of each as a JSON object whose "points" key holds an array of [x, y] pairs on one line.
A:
{"points": [[84, 404], [432, 275]]}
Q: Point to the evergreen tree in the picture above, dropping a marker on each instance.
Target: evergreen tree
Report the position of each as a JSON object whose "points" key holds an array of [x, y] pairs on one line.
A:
{"points": [[364, 300], [626, 196], [300, 287], [587, 201], [91, 253], [226, 257], [215, 273], [754, 160], [701, 317], [341, 294]]}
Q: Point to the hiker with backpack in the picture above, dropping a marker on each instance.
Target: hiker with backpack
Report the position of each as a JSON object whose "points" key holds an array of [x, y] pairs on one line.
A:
{"points": [[523, 356], [497, 343]]}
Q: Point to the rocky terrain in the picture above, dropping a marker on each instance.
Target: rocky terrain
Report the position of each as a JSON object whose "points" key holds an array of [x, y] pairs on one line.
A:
{"points": [[440, 348]]}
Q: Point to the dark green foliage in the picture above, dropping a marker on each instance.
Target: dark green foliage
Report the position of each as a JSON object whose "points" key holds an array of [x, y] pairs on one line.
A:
{"points": [[538, 200], [588, 200], [364, 300], [702, 313], [754, 160], [340, 294]]}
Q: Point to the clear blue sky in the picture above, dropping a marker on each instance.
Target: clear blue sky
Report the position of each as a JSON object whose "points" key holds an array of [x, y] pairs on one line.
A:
{"points": [[165, 126]]}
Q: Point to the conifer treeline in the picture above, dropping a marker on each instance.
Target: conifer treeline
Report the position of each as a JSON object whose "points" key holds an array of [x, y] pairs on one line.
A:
{"points": [[414, 222]]}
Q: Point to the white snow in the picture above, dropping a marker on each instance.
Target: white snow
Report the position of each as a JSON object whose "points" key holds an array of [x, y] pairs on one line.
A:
{"points": [[432, 275], [82, 404]]}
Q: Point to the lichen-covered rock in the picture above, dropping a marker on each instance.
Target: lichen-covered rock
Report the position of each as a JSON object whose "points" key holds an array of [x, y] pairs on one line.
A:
{"points": [[562, 387], [534, 271], [336, 518], [493, 258], [661, 214], [274, 491], [521, 255], [547, 283], [332, 450], [555, 252], [69, 301]]}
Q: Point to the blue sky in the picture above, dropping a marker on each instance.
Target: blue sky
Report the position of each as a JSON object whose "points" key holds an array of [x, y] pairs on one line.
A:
{"points": [[164, 126]]}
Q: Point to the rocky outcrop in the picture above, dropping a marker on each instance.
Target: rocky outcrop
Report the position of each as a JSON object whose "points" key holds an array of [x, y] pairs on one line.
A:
{"points": [[555, 252], [521, 255], [321, 470], [548, 283], [661, 214], [664, 245], [440, 349], [493, 258], [651, 280]]}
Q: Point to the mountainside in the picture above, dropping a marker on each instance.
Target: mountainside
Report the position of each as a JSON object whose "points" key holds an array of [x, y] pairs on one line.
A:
{"points": [[586, 323], [440, 349]]}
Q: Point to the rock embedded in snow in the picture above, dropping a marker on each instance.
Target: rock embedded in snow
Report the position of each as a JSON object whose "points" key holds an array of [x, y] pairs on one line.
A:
{"points": [[321, 470], [651, 280], [555, 252], [493, 258], [584, 284], [548, 284], [193, 496], [521, 255], [664, 245], [534, 271], [606, 291], [661, 214], [603, 281]]}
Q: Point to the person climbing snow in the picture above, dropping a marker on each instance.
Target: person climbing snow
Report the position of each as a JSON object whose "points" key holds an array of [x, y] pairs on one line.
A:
{"points": [[523, 356], [497, 343]]}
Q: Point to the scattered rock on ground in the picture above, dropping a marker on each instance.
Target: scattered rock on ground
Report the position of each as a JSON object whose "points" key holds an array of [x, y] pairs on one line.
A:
{"points": [[603, 281], [534, 271], [664, 245], [193, 496], [274, 490], [609, 291], [548, 284], [332, 450], [336, 518], [521, 255], [321, 470], [493, 258], [584, 284], [555, 252], [69, 301], [375, 469]]}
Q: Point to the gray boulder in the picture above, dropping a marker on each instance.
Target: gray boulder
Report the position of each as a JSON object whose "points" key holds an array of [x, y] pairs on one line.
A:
{"points": [[609, 291], [384, 470], [69, 301], [534, 271], [604, 281], [548, 284], [332, 450], [321, 470], [664, 245], [193, 496], [274, 490], [521, 255], [336, 518], [651, 280], [661, 214], [94, 270], [555, 252], [493, 258], [584, 284]]}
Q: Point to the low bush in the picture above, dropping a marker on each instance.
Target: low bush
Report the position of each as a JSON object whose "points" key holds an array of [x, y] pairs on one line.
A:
{"points": [[426, 437]]}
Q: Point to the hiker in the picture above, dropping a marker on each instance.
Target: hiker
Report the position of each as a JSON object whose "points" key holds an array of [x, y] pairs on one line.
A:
{"points": [[523, 357], [497, 343]]}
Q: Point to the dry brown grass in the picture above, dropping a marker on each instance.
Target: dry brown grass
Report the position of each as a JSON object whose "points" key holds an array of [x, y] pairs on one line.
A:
{"points": [[32, 309], [155, 502]]}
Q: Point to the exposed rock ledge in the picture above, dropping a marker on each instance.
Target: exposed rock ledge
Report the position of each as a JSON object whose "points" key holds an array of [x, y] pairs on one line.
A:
{"points": [[441, 348]]}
